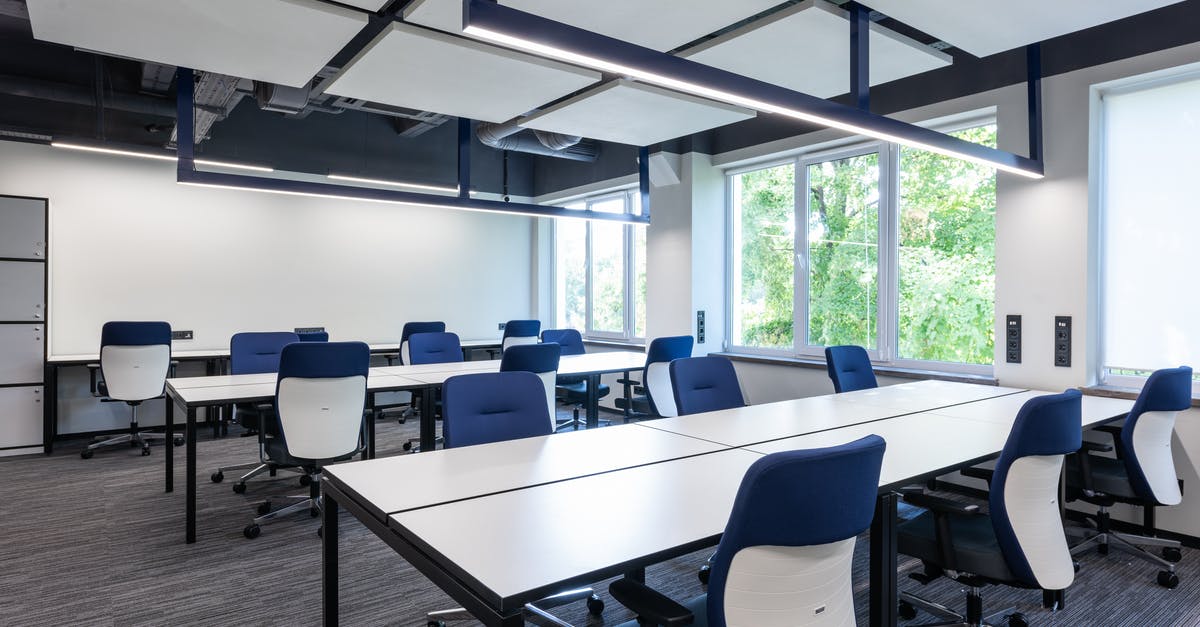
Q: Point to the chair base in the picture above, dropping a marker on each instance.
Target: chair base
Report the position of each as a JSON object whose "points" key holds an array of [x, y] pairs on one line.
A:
{"points": [[973, 618], [534, 612], [256, 469], [1103, 538], [310, 502], [574, 423], [135, 439]]}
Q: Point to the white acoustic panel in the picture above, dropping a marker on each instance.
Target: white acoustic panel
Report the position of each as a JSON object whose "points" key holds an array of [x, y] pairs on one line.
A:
{"points": [[369, 5], [412, 67], [277, 41], [807, 48], [632, 113], [985, 27], [659, 24]]}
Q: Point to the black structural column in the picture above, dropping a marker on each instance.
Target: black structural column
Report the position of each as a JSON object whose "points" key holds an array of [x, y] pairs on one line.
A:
{"points": [[464, 158], [884, 597], [860, 56], [1033, 84], [329, 558]]}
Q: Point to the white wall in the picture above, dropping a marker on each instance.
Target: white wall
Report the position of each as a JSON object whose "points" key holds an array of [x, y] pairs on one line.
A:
{"points": [[127, 242]]}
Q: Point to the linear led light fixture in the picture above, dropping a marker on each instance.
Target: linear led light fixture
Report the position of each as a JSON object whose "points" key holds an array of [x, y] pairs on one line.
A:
{"points": [[509, 27], [158, 157], [421, 186], [187, 174]]}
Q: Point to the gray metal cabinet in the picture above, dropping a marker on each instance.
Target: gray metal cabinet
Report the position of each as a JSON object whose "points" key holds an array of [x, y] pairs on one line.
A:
{"points": [[22, 348], [23, 284], [22, 228], [20, 416]]}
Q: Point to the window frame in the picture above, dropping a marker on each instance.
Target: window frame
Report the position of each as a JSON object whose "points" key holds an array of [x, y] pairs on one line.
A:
{"points": [[887, 278]]}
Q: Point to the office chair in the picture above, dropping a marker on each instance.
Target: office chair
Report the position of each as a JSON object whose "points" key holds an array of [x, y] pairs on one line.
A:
{"points": [[572, 390], [416, 327], [655, 397], [1143, 472], [520, 332], [540, 359], [134, 359], [701, 384], [431, 348], [785, 556], [849, 368], [488, 407], [320, 394], [313, 336], [1020, 542], [253, 353]]}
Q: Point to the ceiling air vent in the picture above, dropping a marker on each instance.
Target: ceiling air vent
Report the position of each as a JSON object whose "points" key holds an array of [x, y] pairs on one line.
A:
{"points": [[280, 99]]}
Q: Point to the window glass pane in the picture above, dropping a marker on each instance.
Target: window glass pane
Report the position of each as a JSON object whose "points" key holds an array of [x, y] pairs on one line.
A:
{"points": [[1150, 222], [570, 267], [947, 255], [614, 204], [763, 240], [843, 251], [639, 281], [608, 275]]}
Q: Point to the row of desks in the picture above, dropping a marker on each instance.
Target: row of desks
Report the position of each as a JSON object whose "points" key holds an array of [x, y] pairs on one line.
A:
{"points": [[193, 393], [500, 525]]}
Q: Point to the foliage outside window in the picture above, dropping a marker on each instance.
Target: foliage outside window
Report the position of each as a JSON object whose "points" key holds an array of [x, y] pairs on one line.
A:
{"points": [[600, 271], [909, 276]]}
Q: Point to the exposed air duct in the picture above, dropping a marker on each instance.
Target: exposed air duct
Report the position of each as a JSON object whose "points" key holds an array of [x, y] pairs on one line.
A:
{"points": [[85, 96], [509, 136]]}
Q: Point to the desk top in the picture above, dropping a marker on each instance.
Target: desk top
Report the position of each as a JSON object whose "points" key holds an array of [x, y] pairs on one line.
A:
{"points": [[217, 353], [247, 388], [685, 502], [387, 485], [1003, 410], [923, 395]]}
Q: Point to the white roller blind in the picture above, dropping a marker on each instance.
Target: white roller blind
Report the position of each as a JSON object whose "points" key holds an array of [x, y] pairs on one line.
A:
{"points": [[1151, 227]]}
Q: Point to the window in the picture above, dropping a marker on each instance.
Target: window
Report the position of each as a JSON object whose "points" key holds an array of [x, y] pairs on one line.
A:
{"points": [[1148, 301], [907, 274], [600, 271]]}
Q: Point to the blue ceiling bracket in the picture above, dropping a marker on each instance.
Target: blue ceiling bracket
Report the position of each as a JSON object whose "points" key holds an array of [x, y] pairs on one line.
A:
{"points": [[1033, 84], [644, 180], [187, 173], [860, 56]]}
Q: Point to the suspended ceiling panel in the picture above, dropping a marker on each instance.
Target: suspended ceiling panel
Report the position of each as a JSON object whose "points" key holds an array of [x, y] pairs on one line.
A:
{"points": [[408, 66], [985, 27], [277, 41], [659, 24], [807, 48], [369, 5], [633, 113]]}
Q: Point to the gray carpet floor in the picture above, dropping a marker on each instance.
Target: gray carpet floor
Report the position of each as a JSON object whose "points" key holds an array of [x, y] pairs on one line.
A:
{"points": [[98, 542]]}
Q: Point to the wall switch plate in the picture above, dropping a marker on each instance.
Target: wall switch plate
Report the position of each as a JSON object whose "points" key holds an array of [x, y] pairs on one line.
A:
{"points": [[1012, 339], [1062, 341], [299, 330], [500, 326], [181, 335], [700, 327]]}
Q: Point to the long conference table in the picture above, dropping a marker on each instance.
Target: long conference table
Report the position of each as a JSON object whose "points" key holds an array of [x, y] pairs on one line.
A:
{"points": [[193, 393], [498, 526]]}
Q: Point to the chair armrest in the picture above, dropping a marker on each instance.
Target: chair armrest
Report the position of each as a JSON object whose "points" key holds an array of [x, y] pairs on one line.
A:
{"points": [[1095, 446], [979, 473], [649, 604], [628, 381], [939, 505], [1115, 432], [92, 383], [1083, 460]]}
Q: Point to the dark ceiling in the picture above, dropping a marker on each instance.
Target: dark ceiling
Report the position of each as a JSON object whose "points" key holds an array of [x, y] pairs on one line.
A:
{"points": [[368, 144]]}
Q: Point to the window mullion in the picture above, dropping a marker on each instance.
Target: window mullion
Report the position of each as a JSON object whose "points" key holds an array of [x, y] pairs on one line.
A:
{"points": [[889, 251], [800, 259]]}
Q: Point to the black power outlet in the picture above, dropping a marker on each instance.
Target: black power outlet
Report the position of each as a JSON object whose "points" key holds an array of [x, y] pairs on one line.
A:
{"points": [[700, 327], [309, 329], [181, 335], [1062, 341], [1012, 339]]}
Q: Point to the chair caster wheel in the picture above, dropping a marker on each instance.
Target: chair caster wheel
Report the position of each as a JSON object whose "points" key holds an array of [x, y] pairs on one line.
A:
{"points": [[263, 508], [703, 574], [87, 453], [1172, 554], [314, 512], [133, 444], [177, 440], [1168, 579], [1017, 620], [217, 477], [595, 605], [239, 488], [252, 531], [305, 481], [906, 611], [435, 623], [407, 446], [145, 451]]}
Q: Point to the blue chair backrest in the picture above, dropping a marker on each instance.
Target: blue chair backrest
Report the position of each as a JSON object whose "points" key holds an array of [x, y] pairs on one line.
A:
{"points": [[255, 352], [134, 359], [540, 359], [320, 394], [314, 336], [849, 368], [417, 327], [705, 384], [434, 348], [493, 407], [802, 506], [520, 332], [569, 339], [1146, 436], [656, 375], [1027, 521]]}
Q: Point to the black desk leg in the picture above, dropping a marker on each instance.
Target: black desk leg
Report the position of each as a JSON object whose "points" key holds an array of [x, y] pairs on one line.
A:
{"points": [[884, 595], [428, 420], [49, 407], [369, 453], [169, 446], [593, 401], [190, 436], [1054, 600], [329, 560]]}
